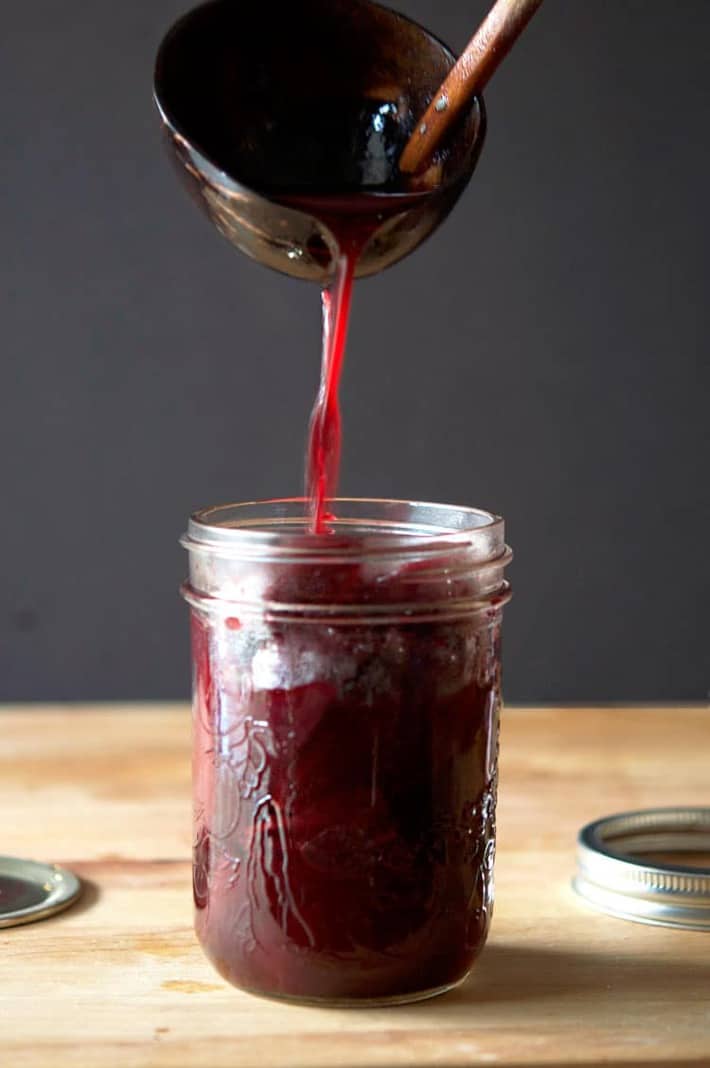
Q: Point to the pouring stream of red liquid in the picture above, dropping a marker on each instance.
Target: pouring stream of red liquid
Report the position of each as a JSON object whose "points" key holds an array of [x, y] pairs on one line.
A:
{"points": [[352, 220], [325, 435]]}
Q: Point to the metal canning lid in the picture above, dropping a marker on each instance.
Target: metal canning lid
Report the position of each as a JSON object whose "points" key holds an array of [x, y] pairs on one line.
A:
{"points": [[623, 868], [31, 891]]}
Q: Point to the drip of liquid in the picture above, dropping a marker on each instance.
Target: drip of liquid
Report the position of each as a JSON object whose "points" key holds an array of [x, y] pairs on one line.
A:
{"points": [[352, 220]]}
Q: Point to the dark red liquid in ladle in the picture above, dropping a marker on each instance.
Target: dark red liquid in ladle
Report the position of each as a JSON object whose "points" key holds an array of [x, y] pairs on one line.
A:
{"points": [[352, 220]]}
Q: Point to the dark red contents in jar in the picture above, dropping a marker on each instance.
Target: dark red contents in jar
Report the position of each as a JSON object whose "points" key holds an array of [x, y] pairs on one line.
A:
{"points": [[345, 781]]}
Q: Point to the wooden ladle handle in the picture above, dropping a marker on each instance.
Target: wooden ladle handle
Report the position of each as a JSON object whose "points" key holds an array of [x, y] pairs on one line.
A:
{"points": [[485, 51]]}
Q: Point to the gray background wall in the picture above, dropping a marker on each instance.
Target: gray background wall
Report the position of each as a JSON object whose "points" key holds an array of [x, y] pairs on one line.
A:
{"points": [[544, 355]]}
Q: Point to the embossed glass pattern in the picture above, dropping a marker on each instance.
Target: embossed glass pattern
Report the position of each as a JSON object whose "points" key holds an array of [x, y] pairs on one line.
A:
{"points": [[346, 706]]}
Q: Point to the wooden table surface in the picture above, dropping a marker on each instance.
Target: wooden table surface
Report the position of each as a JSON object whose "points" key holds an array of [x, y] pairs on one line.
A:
{"points": [[120, 980]]}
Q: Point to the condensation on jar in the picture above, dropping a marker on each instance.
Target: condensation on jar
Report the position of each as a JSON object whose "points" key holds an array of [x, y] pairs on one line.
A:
{"points": [[346, 707]]}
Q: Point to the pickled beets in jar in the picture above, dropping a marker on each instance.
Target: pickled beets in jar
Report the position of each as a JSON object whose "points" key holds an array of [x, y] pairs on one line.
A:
{"points": [[346, 705]]}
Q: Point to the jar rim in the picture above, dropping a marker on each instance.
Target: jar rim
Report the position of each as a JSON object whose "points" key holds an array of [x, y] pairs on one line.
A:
{"points": [[362, 528]]}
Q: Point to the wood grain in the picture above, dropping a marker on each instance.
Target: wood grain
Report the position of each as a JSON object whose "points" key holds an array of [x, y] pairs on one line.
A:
{"points": [[119, 979]]}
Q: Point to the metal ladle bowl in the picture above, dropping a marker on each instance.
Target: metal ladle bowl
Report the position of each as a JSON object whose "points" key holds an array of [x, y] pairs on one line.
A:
{"points": [[319, 97]]}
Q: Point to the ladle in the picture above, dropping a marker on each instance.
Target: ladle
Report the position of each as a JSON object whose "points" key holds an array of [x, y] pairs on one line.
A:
{"points": [[266, 103]]}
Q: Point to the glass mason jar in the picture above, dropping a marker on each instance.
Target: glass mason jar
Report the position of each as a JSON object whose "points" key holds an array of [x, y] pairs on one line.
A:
{"points": [[346, 704]]}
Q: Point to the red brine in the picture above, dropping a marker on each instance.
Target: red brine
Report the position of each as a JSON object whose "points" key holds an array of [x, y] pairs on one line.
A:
{"points": [[352, 220]]}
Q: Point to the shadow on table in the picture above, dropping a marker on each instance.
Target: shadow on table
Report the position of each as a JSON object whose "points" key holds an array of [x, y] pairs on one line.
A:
{"points": [[624, 992], [509, 973], [90, 896]]}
